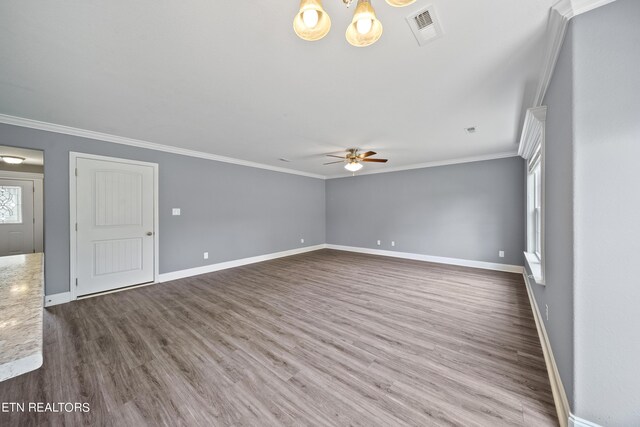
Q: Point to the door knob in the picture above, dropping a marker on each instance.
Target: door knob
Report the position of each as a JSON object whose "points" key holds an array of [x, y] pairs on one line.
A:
{"points": [[149, 233]]}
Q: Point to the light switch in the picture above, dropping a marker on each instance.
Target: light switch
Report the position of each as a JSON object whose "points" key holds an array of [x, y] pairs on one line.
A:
{"points": [[175, 211]]}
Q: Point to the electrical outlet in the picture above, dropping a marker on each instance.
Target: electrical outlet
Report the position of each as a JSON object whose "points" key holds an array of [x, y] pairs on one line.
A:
{"points": [[378, 242], [501, 254], [175, 211], [546, 311], [301, 240], [206, 255], [393, 243]]}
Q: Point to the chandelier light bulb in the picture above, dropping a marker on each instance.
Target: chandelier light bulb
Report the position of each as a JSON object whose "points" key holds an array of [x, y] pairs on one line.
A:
{"points": [[364, 25], [310, 18]]}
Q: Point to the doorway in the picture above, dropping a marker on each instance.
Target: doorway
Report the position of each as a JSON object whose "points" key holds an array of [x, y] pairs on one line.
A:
{"points": [[21, 201], [114, 231]]}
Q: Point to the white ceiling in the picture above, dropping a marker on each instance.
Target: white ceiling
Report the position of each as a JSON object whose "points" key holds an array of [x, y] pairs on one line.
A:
{"points": [[231, 77]]}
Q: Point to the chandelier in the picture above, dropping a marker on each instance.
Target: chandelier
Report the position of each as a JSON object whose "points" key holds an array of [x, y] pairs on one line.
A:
{"points": [[312, 22]]}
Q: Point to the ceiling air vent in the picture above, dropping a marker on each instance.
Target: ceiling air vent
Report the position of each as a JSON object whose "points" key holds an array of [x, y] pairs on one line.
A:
{"points": [[423, 20], [424, 25]]}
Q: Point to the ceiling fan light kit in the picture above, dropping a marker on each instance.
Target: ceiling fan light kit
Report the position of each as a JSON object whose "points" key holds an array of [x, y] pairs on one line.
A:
{"points": [[312, 22], [353, 166], [354, 159]]}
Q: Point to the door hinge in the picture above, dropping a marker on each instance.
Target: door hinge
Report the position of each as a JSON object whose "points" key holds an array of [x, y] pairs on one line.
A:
{"points": [[76, 282], [76, 171], [76, 226]]}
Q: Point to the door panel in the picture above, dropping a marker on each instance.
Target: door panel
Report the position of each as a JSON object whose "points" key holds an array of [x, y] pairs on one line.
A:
{"points": [[115, 215], [118, 199], [113, 256], [16, 217]]}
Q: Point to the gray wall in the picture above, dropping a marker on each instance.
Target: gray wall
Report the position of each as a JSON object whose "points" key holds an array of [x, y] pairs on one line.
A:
{"points": [[468, 211], [592, 206], [607, 213], [558, 205], [228, 210]]}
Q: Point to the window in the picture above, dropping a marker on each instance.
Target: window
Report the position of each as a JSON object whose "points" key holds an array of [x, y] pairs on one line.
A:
{"points": [[532, 148], [535, 222], [10, 205], [537, 211]]}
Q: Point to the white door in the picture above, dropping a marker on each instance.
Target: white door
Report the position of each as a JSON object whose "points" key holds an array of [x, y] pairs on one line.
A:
{"points": [[16, 217], [115, 224]]}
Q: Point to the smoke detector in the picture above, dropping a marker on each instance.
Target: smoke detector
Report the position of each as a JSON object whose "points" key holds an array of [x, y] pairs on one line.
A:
{"points": [[424, 25]]}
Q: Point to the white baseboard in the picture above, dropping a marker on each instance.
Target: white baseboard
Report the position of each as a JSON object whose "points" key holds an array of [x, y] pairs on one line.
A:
{"points": [[55, 299], [174, 275], [64, 297], [580, 422], [431, 258], [565, 417], [559, 394]]}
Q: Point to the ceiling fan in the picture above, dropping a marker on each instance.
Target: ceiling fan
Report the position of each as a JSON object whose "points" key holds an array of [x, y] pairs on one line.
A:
{"points": [[354, 160]]}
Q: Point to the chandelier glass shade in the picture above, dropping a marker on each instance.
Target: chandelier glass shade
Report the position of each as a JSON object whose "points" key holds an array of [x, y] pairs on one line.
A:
{"points": [[365, 29], [400, 3], [312, 22]]}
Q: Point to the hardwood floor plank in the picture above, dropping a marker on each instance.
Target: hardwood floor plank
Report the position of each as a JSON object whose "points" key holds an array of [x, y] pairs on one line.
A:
{"points": [[326, 338]]}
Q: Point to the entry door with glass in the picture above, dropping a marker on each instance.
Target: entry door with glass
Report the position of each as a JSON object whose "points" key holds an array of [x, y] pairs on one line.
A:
{"points": [[16, 217]]}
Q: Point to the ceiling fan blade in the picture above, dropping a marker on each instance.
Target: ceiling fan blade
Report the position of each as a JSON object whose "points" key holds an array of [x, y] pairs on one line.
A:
{"points": [[337, 157], [375, 160], [330, 163], [367, 154]]}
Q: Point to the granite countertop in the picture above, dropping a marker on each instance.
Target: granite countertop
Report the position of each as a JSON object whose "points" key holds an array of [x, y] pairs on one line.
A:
{"points": [[21, 300]]}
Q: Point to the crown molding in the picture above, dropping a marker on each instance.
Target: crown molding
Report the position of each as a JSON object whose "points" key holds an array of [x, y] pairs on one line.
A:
{"points": [[99, 136], [105, 137], [482, 158], [561, 13], [572, 8]]}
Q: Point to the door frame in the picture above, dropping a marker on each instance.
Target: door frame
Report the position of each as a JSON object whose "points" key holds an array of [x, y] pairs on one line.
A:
{"points": [[73, 241], [38, 202]]}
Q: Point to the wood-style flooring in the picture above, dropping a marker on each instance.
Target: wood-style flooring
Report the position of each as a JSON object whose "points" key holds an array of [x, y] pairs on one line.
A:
{"points": [[324, 338]]}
